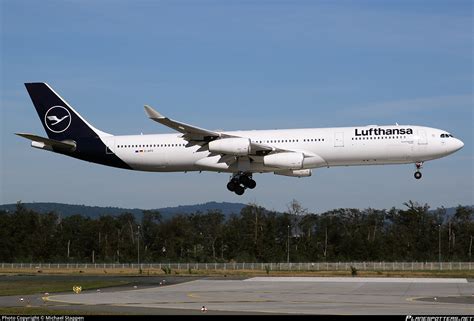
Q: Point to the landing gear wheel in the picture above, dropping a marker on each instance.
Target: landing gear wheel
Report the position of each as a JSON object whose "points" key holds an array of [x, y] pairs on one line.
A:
{"points": [[251, 184], [239, 190], [231, 186], [241, 181], [418, 175], [244, 180]]}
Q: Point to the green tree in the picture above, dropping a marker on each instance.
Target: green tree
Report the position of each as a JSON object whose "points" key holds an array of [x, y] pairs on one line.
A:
{"points": [[461, 233]]}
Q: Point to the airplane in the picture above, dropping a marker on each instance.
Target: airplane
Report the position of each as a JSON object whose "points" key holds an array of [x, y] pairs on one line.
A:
{"points": [[288, 152]]}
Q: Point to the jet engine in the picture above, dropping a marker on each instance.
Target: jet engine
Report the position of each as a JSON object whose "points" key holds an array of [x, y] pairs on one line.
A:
{"points": [[284, 160], [230, 146]]}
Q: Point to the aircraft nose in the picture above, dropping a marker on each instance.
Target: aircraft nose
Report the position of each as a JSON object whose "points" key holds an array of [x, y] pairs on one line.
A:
{"points": [[457, 144]]}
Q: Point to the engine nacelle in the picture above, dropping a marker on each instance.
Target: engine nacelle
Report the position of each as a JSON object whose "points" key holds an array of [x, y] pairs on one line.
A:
{"points": [[284, 160], [230, 146], [314, 161], [295, 173]]}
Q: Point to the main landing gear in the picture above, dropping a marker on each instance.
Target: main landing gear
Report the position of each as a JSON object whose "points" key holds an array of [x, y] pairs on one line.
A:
{"points": [[239, 182], [418, 165]]}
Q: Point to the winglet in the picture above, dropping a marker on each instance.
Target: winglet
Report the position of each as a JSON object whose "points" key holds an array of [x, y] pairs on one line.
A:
{"points": [[186, 129], [153, 114]]}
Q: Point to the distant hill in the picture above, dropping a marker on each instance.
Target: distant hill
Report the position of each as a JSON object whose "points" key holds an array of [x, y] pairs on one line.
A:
{"points": [[225, 207], [96, 211]]}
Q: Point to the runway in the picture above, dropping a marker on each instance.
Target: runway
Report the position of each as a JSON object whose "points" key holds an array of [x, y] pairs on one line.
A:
{"points": [[293, 295]]}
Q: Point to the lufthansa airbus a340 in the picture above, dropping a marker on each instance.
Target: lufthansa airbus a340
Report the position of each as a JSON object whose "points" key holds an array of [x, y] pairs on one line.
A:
{"points": [[289, 152]]}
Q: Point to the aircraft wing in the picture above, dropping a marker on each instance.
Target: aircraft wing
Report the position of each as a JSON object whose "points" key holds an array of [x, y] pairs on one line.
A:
{"points": [[199, 136], [188, 130]]}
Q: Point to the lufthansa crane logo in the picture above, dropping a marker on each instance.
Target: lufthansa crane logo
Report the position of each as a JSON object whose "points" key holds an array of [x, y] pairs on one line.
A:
{"points": [[57, 119]]}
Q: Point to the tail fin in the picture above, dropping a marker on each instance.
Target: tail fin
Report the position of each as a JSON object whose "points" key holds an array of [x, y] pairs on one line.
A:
{"points": [[59, 119]]}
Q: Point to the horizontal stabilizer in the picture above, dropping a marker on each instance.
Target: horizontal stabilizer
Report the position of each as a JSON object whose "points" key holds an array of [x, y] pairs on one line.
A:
{"points": [[66, 145]]}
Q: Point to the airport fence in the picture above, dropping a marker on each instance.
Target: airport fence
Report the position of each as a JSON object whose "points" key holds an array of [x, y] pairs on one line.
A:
{"points": [[315, 266]]}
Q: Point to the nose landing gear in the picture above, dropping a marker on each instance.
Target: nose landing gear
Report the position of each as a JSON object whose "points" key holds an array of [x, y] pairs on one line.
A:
{"points": [[418, 165], [239, 182]]}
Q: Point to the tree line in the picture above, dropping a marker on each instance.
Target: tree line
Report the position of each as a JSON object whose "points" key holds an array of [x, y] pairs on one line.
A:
{"points": [[413, 233]]}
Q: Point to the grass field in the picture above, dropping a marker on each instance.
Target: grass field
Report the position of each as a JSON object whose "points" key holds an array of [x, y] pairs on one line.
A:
{"points": [[29, 286], [243, 273], [43, 311]]}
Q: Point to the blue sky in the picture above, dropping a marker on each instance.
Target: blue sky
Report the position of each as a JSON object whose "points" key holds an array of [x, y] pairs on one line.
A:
{"points": [[238, 65]]}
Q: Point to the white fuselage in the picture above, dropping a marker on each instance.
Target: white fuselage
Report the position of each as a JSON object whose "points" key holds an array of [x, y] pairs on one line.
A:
{"points": [[288, 152], [343, 146]]}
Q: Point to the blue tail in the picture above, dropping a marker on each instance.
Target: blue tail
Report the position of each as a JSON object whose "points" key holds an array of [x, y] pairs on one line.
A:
{"points": [[65, 126], [59, 119]]}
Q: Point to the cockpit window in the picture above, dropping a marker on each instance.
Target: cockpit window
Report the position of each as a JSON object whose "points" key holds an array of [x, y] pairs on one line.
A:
{"points": [[446, 135]]}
